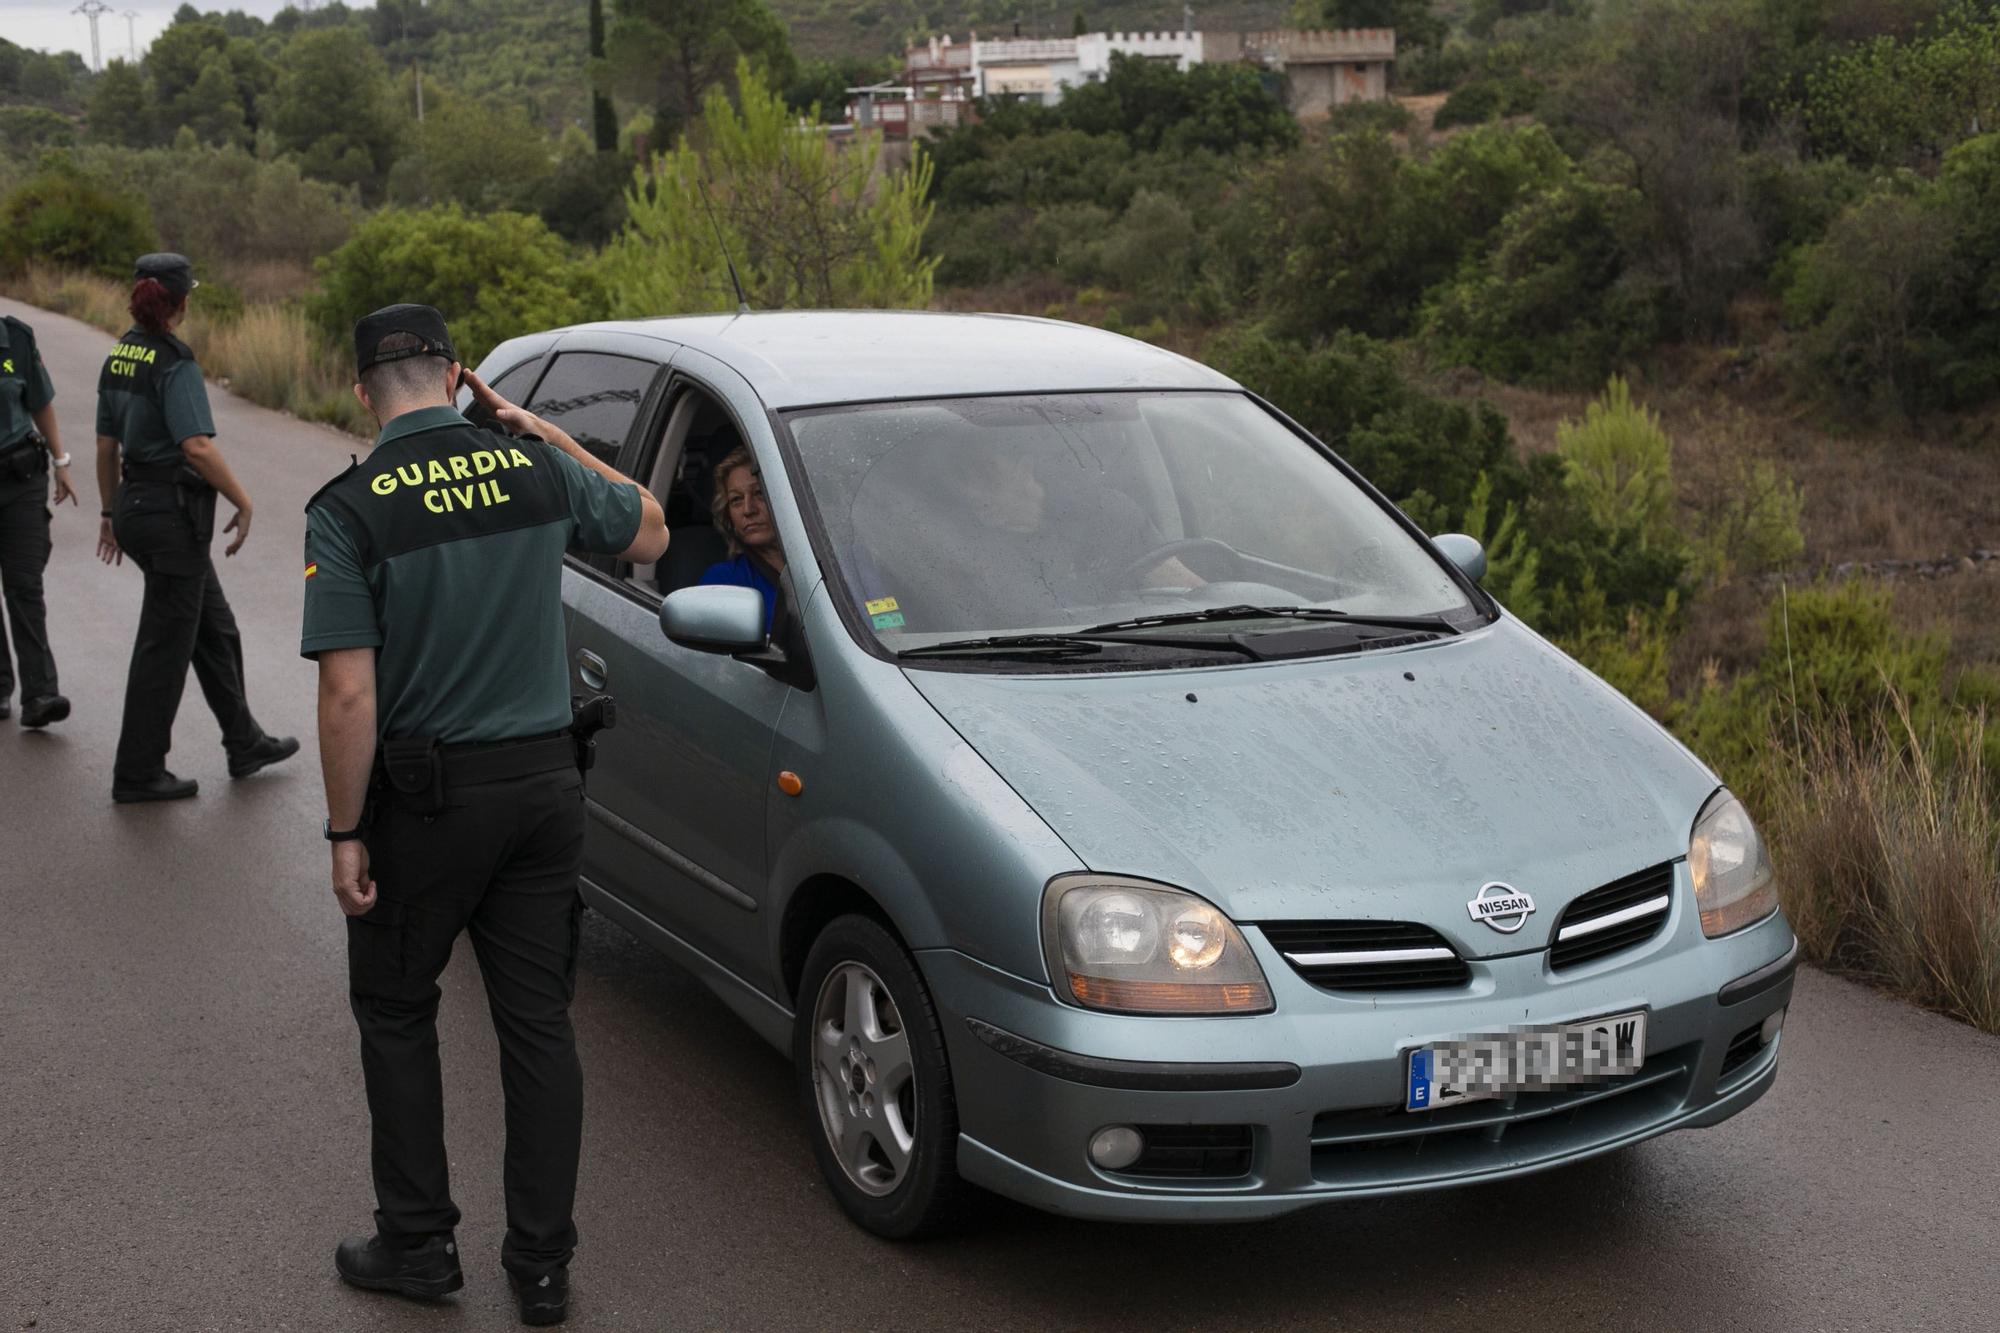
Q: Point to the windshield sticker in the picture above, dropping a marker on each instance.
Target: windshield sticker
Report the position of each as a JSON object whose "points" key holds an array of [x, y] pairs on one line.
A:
{"points": [[886, 619], [880, 604]]}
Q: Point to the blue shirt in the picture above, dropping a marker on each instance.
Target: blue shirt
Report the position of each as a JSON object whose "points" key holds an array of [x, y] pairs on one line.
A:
{"points": [[743, 572]]}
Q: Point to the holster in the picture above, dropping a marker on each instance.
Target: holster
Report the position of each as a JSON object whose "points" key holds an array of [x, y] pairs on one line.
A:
{"points": [[587, 718], [413, 770], [23, 459]]}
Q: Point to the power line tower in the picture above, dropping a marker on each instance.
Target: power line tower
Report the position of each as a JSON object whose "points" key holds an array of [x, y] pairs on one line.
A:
{"points": [[91, 9], [131, 36]]}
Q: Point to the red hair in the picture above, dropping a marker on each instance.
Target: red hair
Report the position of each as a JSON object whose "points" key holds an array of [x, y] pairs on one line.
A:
{"points": [[153, 305]]}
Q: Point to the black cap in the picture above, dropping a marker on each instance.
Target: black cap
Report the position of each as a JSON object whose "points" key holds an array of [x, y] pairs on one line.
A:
{"points": [[422, 322], [173, 272]]}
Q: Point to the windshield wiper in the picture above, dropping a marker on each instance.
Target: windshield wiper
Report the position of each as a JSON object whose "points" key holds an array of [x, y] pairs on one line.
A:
{"points": [[1436, 624], [1082, 644]]}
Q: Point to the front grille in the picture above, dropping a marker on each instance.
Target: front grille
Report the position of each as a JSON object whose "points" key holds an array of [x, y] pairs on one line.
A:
{"points": [[1185, 1152], [1386, 1145], [1368, 955], [1743, 1048], [1621, 914]]}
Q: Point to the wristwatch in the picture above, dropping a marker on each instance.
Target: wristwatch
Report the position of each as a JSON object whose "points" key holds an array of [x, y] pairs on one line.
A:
{"points": [[59, 462], [340, 835]]}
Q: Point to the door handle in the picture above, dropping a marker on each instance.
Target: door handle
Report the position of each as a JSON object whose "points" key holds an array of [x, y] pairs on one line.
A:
{"points": [[590, 669]]}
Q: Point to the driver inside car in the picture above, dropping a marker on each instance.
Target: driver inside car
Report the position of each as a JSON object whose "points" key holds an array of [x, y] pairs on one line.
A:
{"points": [[743, 516]]}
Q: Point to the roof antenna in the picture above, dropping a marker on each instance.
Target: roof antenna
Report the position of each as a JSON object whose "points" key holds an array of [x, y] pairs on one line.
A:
{"points": [[742, 304]]}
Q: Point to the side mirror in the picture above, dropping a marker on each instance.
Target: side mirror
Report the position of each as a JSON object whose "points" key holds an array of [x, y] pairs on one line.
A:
{"points": [[1465, 552], [715, 619]]}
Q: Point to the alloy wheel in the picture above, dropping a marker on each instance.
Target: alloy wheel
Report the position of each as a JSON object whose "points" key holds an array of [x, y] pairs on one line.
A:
{"points": [[863, 1078]]}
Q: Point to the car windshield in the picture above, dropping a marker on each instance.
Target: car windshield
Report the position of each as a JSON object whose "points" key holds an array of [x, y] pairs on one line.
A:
{"points": [[1063, 513]]}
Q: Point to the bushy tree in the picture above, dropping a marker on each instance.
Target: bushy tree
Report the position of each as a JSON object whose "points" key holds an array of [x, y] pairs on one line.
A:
{"points": [[333, 108], [484, 155], [58, 217], [494, 277], [1905, 102], [33, 127], [203, 78], [1555, 300], [806, 224], [1153, 106], [119, 112], [670, 54]]}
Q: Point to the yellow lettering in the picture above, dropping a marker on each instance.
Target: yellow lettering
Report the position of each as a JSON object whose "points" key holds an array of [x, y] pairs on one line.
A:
{"points": [[383, 484], [483, 461], [438, 471], [411, 475], [430, 502], [520, 459], [464, 494], [460, 468]]}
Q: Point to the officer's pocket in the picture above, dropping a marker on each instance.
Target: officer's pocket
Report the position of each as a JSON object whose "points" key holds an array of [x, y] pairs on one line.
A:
{"points": [[375, 950]]}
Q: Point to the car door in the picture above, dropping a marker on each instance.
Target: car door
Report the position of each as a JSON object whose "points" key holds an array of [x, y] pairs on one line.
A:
{"points": [[678, 794]]}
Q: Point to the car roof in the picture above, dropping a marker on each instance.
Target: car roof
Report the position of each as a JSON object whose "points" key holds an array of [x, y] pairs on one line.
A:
{"points": [[800, 358]]}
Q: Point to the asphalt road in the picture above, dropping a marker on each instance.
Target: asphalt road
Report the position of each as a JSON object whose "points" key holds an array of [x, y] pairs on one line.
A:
{"points": [[183, 1136]]}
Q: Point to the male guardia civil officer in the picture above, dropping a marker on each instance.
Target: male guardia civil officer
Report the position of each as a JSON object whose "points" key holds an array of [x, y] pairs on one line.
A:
{"points": [[30, 450], [454, 798]]}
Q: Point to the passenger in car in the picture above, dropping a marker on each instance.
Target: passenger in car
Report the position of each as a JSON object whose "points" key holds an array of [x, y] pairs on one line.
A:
{"points": [[743, 516]]}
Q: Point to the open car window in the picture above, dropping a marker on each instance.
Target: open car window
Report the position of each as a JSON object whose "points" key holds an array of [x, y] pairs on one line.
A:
{"points": [[999, 516]]}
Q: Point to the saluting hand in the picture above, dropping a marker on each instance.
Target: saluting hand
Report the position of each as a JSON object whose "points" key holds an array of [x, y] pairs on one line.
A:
{"points": [[107, 544], [240, 525], [352, 886], [516, 420]]}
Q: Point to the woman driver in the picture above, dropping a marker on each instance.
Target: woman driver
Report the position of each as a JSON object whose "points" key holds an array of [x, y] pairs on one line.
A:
{"points": [[743, 517]]}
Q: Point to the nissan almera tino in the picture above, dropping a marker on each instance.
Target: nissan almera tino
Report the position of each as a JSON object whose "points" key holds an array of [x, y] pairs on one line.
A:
{"points": [[1107, 798]]}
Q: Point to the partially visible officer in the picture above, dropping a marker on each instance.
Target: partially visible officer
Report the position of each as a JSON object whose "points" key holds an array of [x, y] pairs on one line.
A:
{"points": [[433, 603], [29, 449], [152, 409]]}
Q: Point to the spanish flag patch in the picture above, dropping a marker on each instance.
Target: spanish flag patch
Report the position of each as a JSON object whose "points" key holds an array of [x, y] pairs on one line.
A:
{"points": [[312, 569]]}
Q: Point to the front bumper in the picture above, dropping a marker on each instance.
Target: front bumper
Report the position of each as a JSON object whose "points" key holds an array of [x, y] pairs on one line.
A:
{"points": [[1036, 1078]]}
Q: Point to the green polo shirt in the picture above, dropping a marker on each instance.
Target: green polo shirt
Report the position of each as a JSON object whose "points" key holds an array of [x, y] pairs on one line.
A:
{"points": [[24, 381], [443, 551], [150, 397]]}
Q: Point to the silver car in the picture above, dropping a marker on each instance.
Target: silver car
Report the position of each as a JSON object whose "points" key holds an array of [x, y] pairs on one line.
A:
{"points": [[1108, 799]]}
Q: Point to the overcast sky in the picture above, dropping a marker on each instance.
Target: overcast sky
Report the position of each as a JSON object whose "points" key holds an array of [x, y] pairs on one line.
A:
{"points": [[44, 26]]}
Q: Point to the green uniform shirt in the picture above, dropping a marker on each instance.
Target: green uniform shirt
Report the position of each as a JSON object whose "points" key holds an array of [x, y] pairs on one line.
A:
{"points": [[24, 382], [444, 552], [150, 397]]}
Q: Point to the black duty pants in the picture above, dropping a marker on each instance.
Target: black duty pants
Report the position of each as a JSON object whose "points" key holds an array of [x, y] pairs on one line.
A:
{"points": [[185, 618], [24, 554], [501, 862]]}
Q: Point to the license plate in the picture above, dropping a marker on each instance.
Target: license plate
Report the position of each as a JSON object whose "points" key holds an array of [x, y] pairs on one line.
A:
{"points": [[1534, 1059]]}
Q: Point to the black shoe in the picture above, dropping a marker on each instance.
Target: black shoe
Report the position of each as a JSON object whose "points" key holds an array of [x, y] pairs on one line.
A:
{"points": [[40, 712], [165, 787], [543, 1300], [425, 1271], [266, 752]]}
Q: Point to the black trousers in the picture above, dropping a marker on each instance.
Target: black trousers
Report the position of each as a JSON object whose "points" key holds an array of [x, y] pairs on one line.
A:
{"points": [[185, 619], [500, 862], [24, 554]]}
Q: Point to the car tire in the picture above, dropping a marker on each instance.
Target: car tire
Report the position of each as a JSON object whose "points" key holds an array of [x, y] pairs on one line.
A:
{"points": [[875, 1082]]}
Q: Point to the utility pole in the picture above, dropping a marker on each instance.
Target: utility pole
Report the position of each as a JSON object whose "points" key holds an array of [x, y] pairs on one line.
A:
{"points": [[90, 9], [131, 36], [418, 66]]}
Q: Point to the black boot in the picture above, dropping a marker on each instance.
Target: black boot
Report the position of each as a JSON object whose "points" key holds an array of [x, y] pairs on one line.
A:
{"points": [[40, 712], [165, 787], [266, 752], [426, 1271], [543, 1300]]}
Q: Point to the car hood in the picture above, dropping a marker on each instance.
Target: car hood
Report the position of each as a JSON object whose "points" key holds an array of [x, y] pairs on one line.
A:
{"points": [[1390, 785]]}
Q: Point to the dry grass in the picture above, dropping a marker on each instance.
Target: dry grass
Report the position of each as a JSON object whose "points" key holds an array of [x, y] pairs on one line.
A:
{"points": [[1888, 854], [269, 355]]}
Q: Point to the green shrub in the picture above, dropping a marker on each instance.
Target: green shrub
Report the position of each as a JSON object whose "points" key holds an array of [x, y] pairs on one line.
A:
{"points": [[32, 127], [1153, 248], [494, 277], [1488, 99], [57, 217], [1618, 463]]}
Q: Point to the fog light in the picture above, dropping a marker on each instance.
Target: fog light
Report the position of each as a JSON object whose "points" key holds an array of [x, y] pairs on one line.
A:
{"points": [[1769, 1032], [1116, 1147]]}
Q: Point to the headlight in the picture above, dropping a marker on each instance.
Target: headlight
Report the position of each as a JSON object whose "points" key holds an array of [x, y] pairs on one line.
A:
{"points": [[1137, 948], [1733, 886]]}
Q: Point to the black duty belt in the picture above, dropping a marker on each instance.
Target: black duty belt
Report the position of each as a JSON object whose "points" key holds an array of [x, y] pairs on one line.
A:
{"points": [[176, 472], [499, 761], [26, 442]]}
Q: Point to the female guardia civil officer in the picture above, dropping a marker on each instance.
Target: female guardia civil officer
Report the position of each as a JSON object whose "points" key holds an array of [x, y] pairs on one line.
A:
{"points": [[29, 450], [152, 409]]}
